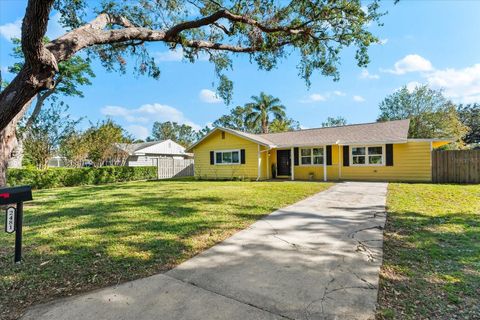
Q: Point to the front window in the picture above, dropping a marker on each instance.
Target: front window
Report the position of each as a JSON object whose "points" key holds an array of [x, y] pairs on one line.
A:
{"points": [[227, 157], [311, 156], [362, 156]]}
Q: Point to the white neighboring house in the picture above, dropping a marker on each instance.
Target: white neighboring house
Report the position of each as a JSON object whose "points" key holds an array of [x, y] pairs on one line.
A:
{"points": [[148, 153]]}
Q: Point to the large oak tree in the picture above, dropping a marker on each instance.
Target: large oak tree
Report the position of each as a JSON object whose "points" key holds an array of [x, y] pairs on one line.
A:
{"points": [[268, 31]]}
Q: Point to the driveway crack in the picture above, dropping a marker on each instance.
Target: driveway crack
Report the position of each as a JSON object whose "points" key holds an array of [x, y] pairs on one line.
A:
{"points": [[232, 298]]}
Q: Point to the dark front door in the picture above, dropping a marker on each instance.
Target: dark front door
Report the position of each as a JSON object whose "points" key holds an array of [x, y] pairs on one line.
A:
{"points": [[283, 162]]}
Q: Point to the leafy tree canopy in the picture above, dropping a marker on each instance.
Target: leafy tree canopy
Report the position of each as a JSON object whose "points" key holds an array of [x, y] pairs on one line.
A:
{"points": [[431, 114], [101, 139], [315, 32], [46, 134], [235, 120], [180, 133], [470, 116], [282, 125], [334, 122]]}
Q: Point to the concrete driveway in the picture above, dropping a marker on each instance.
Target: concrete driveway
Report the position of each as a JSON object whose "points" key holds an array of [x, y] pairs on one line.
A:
{"points": [[316, 259]]}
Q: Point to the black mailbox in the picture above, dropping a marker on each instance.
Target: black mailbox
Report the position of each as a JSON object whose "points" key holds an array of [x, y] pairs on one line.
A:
{"points": [[15, 194], [14, 215]]}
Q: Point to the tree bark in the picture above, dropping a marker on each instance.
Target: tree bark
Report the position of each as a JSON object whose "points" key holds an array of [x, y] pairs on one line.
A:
{"points": [[8, 142], [16, 159]]}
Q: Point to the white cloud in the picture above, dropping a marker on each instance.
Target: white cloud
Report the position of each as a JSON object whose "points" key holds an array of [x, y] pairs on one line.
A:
{"points": [[383, 41], [209, 96], [11, 29], [319, 97], [411, 63], [411, 86], [148, 113], [358, 99], [140, 132], [367, 75], [314, 97], [462, 85]]}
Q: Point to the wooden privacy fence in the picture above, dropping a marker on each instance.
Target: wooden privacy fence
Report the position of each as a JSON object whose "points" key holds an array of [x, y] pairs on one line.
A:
{"points": [[456, 166], [170, 168]]}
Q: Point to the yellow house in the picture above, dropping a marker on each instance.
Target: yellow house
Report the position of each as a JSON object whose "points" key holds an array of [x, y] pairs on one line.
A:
{"points": [[372, 151]]}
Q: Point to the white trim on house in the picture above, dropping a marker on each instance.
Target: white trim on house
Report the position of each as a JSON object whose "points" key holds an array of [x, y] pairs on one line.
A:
{"points": [[228, 163], [292, 163], [432, 140], [234, 132], [366, 155], [323, 156]]}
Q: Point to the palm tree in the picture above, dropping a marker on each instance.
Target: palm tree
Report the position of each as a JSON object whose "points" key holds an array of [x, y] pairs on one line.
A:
{"points": [[261, 108]]}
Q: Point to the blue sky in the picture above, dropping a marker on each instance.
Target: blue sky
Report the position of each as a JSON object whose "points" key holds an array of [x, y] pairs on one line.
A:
{"points": [[432, 42]]}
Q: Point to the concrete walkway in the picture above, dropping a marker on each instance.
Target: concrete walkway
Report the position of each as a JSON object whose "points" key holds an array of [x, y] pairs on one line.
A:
{"points": [[316, 259]]}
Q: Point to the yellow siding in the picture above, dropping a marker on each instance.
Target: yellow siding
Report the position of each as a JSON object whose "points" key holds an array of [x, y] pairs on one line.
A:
{"points": [[214, 142], [437, 144], [411, 162]]}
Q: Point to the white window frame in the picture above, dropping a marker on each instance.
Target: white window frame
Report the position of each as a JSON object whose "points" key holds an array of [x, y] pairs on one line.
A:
{"points": [[230, 163], [311, 164], [366, 164]]}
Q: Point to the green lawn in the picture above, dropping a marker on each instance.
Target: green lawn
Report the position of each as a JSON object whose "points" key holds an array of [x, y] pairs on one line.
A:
{"points": [[431, 264], [81, 238]]}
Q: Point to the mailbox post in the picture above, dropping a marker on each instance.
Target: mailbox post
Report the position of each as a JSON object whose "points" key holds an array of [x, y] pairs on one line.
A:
{"points": [[14, 216]]}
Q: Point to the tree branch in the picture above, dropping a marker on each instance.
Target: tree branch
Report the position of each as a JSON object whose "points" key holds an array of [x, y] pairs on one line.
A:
{"points": [[34, 27]]}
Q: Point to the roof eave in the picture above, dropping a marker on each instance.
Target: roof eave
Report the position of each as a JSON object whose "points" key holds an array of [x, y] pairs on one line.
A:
{"points": [[236, 133]]}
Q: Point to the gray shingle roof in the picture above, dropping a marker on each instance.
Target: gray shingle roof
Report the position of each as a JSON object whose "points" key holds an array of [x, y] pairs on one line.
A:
{"points": [[366, 133], [132, 147], [376, 132]]}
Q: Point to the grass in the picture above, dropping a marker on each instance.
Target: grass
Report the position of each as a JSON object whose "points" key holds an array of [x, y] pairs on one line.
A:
{"points": [[431, 266], [81, 238]]}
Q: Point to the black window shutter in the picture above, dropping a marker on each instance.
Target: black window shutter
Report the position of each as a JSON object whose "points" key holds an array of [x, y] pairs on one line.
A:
{"points": [[389, 154], [212, 157], [295, 156], [329, 155], [346, 156], [242, 156]]}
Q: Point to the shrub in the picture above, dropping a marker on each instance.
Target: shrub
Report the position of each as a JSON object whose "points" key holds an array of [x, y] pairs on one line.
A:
{"points": [[68, 177]]}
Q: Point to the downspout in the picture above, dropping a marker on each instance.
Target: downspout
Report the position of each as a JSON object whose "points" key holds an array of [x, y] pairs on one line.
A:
{"points": [[268, 164], [259, 163], [292, 163], [339, 162], [325, 163]]}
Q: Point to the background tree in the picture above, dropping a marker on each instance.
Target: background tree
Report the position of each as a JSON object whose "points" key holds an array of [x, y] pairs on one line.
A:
{"points": [[236, 119], [267, 31], [282, 125], [262, 108], [431, 114], [470, 116], [180, 133], [101, 139], [47, 131], [74, 148], [334, 122]]}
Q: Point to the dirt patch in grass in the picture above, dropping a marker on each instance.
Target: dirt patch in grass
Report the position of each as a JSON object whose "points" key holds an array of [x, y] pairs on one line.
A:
{"points": [[431, 266], [82, 238]]}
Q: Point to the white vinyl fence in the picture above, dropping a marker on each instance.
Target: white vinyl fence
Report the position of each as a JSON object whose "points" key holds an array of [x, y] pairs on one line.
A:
{"points": [[170, 168]]}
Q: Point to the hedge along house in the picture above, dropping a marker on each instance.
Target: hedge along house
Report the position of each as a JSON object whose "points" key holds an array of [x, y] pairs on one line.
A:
{"points": [[372, 151]]}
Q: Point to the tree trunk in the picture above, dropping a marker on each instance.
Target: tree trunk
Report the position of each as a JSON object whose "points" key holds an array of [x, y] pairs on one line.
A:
{"points": [[17, 154], [8, 141]]}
